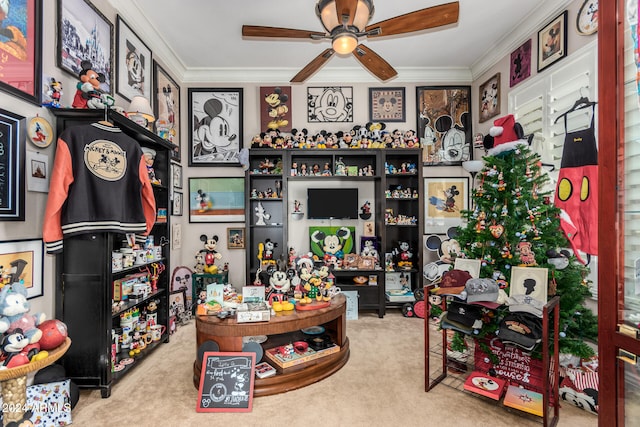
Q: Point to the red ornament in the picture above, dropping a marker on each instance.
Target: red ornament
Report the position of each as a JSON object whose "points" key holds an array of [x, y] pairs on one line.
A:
{"points": [[54, 332]]}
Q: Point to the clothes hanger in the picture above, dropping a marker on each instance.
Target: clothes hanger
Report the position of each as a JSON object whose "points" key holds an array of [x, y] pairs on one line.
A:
{"points": [[582, 102], [106, 121]]}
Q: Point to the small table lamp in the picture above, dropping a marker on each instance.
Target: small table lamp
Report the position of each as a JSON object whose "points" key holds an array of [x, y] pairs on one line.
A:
{"points": [[140, 111]]}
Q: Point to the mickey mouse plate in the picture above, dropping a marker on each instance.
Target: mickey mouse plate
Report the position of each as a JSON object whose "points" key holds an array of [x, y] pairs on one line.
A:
{"points": [[40, 132]]}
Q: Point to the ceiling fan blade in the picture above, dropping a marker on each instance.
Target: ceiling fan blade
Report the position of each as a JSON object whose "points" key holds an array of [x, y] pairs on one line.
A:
{"points": [[348, 8], [259, 31], [312, 66], [374, 63], [423, 19]]}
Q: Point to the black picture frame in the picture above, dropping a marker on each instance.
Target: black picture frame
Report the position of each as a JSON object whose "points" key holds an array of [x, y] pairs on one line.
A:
{"points": [[133, 63], [22, 69], [330, 104], [166, 106], [12, 163], [28, 258], [387, 104], [444, 124], [177, 203], [552, 41], [212, 109], [69, 56]]}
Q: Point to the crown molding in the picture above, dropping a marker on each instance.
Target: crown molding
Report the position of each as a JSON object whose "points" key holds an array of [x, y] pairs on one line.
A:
{"points": [[328, 74], [525, 29]]}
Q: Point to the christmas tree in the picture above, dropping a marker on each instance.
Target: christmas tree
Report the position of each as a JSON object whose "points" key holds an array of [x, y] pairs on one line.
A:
{"points": [[514, 223]]}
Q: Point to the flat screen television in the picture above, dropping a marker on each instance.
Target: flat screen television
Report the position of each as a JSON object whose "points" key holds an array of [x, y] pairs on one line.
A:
{"points": [[332, 203]]}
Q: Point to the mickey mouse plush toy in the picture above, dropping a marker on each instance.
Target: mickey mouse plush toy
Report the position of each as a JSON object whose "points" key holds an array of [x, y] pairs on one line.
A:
{"points": [[88, 93], [210, 253]]}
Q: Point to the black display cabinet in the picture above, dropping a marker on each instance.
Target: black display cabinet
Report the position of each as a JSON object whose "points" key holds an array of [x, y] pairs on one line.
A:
{"points": [[84, 276]]}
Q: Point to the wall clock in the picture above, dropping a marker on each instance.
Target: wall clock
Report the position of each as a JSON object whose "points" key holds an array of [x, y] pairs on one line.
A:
{"points": [[587, 19], [40, 132]]}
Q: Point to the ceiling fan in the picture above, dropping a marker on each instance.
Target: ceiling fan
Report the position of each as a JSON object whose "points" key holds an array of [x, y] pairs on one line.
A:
{"points": [[345, 22]]}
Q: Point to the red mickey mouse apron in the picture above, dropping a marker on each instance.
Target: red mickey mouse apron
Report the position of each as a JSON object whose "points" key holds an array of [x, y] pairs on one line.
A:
{"points": [[577, 189]]}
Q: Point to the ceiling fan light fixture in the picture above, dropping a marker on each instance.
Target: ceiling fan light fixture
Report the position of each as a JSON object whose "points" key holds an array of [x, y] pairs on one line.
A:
{"points": [[330, 16], [344, 43]]}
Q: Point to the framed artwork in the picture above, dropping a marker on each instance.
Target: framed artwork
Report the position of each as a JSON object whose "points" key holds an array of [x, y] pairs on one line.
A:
{"points": [[235, 238], [444, 124], [330, 104], [176, 236], [489, 93], [176, 175], [21, 50], [177, 300], [176, 207], [587, 18], [520, 65], [39, 173], [471, 266], [275, 108], [530, 281], [351, 260], [12, 166], [215, 126], [40, 132], [23, 260], [552, 42], [216, 200], [133, 63], [182, 280], [166, 107], [318, 234], [85, 34], [386, 104], [444, 200]]}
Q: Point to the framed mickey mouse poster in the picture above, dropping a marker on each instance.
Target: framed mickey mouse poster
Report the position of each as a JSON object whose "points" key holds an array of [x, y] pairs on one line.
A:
{"points": [[386, 104], [133, 63], [444, 124]]}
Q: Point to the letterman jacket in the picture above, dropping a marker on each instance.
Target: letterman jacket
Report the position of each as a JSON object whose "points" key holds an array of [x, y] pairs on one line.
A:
{"points": [[99, 183]]}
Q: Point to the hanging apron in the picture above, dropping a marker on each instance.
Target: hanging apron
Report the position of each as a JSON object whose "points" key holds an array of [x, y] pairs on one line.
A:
{"points": [[577, 188]]}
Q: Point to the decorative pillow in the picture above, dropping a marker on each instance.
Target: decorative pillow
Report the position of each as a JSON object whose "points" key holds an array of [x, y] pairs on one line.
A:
{"points": [[49, 403]]}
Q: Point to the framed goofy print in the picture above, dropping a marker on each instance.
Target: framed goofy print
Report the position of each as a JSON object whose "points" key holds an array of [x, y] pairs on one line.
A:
{"points": [[444, 124], [215, 126]]}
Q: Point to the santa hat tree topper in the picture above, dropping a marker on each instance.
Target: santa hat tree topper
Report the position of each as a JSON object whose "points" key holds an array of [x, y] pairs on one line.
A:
{"points": [[505, 135]]}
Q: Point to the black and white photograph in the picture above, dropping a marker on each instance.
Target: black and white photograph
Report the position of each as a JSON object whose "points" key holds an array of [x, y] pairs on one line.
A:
{"points": [[133, 62]]}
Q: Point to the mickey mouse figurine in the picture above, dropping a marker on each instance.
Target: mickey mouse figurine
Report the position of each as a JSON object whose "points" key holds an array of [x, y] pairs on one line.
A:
{"points": [[210, 253], [88, 93]]}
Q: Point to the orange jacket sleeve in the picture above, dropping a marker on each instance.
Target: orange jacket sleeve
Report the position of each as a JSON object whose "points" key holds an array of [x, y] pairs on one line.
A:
{"points": [[61, 179], [148, 199]]}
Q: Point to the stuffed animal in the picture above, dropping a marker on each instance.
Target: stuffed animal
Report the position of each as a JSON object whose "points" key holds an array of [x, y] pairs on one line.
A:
{"points": [[210, 253], [14, 307], [88, 92], [16, 350]]}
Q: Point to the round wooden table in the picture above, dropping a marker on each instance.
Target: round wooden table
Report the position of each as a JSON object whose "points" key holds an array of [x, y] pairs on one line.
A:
{"points": [[14, 382], [281, 329]]}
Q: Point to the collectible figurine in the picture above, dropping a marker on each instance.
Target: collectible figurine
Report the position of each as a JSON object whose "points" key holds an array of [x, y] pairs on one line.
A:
{"points": [[149, 158], [210, 253], [261, 214]]}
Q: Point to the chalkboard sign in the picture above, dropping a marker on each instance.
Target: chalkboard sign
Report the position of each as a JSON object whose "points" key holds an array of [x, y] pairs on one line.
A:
{"points": [[226, 382]]}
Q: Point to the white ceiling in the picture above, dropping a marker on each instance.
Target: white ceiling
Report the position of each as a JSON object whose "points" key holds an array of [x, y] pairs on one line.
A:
{"points": [[201, 41]]}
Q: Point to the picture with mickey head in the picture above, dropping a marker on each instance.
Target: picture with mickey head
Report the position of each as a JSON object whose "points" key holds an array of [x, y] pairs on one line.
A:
{"points": [[331, 243], [275, 108], [446, 248]]}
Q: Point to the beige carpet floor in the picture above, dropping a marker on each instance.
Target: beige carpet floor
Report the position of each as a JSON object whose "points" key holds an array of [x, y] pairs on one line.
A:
{"points": [[381, 385]]}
